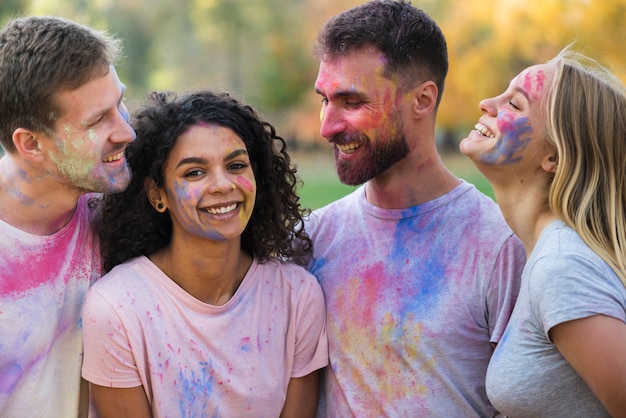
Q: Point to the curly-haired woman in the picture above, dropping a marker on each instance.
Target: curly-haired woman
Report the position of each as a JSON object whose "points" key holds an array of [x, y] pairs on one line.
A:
{"points": [[205, 310]]}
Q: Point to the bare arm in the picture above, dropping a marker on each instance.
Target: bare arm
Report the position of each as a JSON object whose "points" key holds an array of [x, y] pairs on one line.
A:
{"points": [[121, 403], [302, 396], [596, 348]]}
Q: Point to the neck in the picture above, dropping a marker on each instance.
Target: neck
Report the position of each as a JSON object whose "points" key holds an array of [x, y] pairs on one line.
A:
{"points": [[34, 202], [527, 214], [209, 271], [410, 182]]}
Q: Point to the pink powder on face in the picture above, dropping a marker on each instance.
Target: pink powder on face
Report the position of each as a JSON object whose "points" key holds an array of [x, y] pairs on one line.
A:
{"points": [[326, 79], [203, 124], [245, 183], [505, 121], [533, 83], [376, 119]]}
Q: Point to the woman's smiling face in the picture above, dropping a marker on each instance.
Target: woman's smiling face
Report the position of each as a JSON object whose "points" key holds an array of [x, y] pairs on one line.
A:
{"points": [[512, 126], [209, 186]]}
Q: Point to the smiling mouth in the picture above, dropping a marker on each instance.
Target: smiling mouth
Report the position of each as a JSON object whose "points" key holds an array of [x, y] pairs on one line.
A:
{"points": [[348, 148], [483, 130], [222, 210], [114, 157]]}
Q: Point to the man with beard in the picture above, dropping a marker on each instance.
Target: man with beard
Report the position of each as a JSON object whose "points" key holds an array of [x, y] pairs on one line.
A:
{"points": [[419, 269], [63, 128]]}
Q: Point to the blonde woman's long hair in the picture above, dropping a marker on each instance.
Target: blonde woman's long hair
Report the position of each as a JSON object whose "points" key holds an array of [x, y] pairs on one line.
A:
{"points": [[586, 123]]}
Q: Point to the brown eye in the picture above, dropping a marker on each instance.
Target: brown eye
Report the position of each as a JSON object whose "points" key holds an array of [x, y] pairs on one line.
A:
{"points": [[237, 166], [193, 173]]}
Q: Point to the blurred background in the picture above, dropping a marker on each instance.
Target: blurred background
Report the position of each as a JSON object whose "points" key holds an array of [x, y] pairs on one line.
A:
{"points": [[261, 52]]}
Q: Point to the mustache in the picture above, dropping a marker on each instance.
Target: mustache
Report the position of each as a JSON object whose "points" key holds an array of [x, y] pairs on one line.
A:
{"points": [[343, 138]]}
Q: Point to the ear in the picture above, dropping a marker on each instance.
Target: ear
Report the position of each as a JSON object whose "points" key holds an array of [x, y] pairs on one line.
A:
{"points": [[28, 144], [550, 162], [424, 99], [153, 192]]}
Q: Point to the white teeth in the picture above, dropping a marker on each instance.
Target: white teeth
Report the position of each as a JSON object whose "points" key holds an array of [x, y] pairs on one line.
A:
{"points": [[114, 157], [348, 148], [222, 210], [482, 129]]}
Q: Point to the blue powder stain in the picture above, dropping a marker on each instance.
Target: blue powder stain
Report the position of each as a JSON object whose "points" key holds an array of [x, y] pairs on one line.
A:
{"points": [[196, 387], [317, 266], [401, 263], [433, 257], [213, 235], [513, 142], [9, 377]]}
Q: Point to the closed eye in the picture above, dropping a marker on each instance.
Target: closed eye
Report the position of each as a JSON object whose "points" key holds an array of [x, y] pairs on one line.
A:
{"points": [[514, 106], [96, 121], [354, 103]]}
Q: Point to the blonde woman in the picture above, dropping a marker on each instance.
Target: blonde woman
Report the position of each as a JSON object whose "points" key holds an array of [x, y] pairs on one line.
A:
{"points": [[553, 147]]}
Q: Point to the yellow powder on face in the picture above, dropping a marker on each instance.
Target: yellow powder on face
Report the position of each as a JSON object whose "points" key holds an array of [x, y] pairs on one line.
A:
{"points": [[71, 159]]}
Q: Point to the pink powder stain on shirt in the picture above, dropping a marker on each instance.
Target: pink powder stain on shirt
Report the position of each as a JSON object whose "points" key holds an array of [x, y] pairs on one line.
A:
{"points": [[245, 344], [172, 349], [363, 291], [26, 268]]}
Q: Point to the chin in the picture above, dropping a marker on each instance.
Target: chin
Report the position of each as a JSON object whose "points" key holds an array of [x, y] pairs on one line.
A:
{"points": [[352, 177], [468, 146]]}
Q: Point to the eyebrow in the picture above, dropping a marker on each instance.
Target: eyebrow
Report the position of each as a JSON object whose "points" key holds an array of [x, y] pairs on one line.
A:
{"points": [[200, 160], [342, 93], [522, 91]]}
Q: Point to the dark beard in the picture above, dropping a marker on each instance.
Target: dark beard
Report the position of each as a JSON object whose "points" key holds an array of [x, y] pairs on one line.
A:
{"points": [[380, 156]]}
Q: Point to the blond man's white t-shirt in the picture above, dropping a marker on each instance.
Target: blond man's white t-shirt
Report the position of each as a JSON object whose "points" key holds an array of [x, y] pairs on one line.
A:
{"points": [[195, 359], [43, 281]]}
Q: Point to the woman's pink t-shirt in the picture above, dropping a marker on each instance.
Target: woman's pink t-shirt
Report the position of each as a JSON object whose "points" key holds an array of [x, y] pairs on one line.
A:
{"points": [[195, 359]]}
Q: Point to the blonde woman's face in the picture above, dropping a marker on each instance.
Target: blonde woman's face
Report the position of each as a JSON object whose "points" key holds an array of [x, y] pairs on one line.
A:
{"points": [[512, 127]]}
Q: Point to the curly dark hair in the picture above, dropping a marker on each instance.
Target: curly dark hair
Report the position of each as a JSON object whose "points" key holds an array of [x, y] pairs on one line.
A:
{"points": [[411, 41], [132, 227]]}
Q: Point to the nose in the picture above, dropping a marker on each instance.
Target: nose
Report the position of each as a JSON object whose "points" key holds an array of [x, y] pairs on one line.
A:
{"points": [[123, 131], [488, 106], [332, 121], [221, 182]]}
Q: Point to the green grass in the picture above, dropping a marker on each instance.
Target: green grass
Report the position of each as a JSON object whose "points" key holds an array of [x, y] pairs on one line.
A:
{"points": [[318, 191], [321, 185]]}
